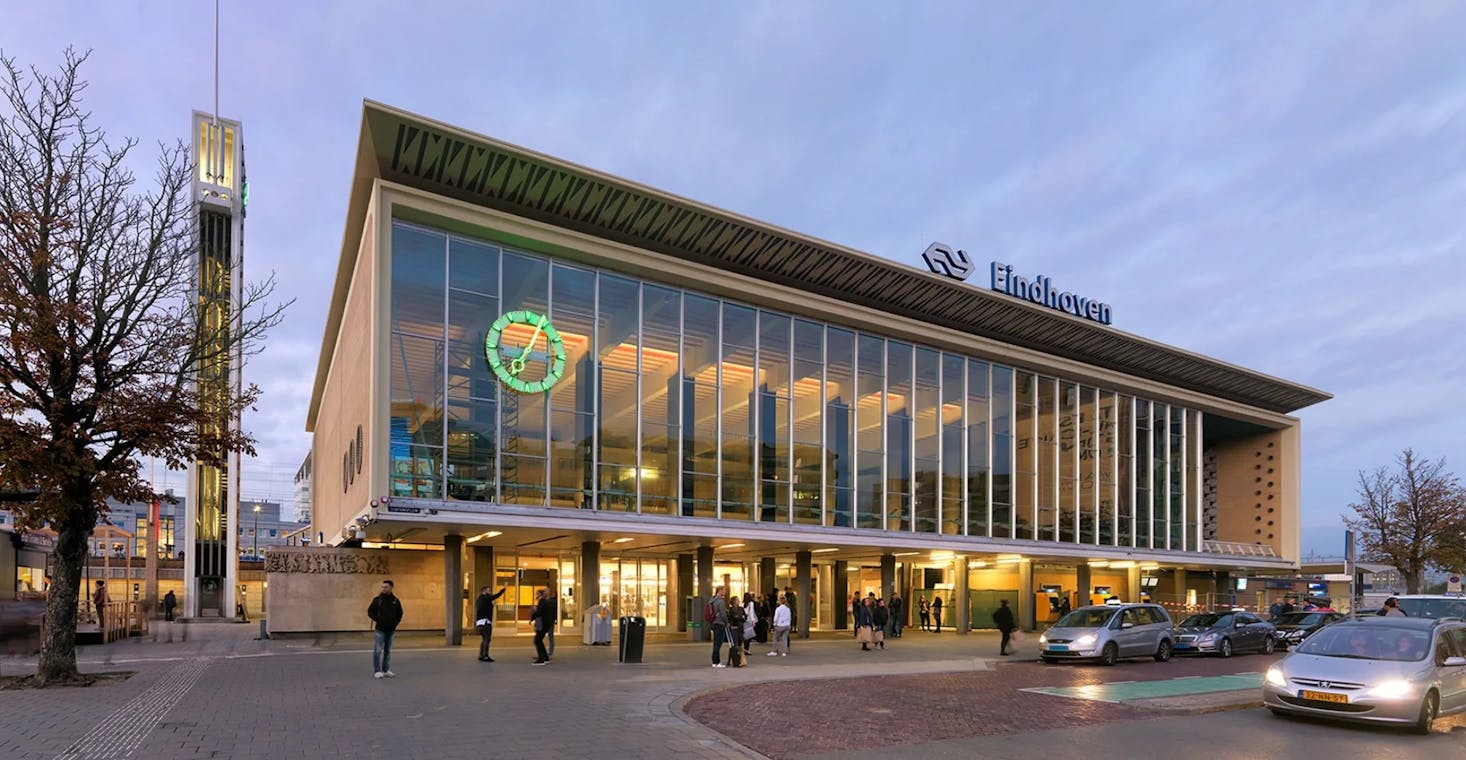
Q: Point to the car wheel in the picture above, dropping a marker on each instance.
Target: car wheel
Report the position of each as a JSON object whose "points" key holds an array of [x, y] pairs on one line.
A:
{"points": [[1224, 647], [1110, 654], [1268, 645], [1428, 708], [1163, 653]]}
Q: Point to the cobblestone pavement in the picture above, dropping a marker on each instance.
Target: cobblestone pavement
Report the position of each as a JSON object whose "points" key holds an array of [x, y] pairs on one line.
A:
{"points": [[783, 720]]}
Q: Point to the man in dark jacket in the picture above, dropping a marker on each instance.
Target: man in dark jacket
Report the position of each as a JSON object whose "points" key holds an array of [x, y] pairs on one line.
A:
{"points": [[1003, 619], [386, 613], [483, 613], [543, 617], [898, 611], [936, 614], [170, 603]]}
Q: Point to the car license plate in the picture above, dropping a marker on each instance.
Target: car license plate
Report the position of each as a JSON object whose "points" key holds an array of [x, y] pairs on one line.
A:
{"points": [[1058, 648], [1323, 696]]}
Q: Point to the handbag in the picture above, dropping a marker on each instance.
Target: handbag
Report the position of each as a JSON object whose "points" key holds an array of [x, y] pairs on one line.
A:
{"points": [[877, 635], [863, 634]]}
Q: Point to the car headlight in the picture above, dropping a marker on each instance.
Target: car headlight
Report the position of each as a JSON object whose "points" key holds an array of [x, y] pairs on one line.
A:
{"points": [[1395, 689], [1297, 634], [1043, 638], [1207, 638], [1086, 640], [1275, 677]]}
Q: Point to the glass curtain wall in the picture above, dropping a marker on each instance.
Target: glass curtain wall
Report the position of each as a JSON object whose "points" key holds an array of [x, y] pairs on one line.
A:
{"points": [[677, 403]]}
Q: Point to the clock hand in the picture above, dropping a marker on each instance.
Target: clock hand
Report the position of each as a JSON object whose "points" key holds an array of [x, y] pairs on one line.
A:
{"points": [[517, 365]]}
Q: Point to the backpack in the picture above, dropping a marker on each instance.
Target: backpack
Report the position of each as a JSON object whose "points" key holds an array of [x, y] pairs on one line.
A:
{"points": [[708, 613]]}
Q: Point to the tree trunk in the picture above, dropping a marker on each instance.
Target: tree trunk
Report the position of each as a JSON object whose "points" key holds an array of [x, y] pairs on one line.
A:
{"points": [[58, 644], [1412, 581]]}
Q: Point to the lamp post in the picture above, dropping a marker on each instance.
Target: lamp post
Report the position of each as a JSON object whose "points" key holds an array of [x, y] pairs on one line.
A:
{"points": [[256, 553]]}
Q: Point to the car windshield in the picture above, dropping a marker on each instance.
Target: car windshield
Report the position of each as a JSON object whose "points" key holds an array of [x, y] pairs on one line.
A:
{"points": [[1206, 620], [1086, 618], [1300, 618], [1368, 642], [1434, 608]]}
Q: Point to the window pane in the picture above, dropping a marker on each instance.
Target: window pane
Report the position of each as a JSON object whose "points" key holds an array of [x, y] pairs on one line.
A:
{"points": [[571, 482], [773, 352], [524, 424], [469, 318], [417, 391], [1002, 451], [523, 480], [737, 477], [573, 315], [526, 283], [1025, 464], [839, 430], [415, 471], [472, 450], [418, 259], [870, 503], [473, 266], [661, 323], [659, 468]]}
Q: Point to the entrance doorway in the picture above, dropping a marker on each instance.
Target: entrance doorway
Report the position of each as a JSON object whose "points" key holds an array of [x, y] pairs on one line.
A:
{"points": [[523, 574]]}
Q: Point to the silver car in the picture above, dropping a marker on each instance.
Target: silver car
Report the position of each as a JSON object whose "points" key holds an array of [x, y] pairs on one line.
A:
{"points": [[1397, 670], [1109, 632]]}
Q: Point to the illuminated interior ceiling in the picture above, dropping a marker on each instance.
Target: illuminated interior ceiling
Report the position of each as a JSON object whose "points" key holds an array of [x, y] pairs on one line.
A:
{"points": [[441, 159]]}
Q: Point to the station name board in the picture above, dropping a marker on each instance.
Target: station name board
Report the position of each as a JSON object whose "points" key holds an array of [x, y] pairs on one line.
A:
{"points": [[950, 262]]}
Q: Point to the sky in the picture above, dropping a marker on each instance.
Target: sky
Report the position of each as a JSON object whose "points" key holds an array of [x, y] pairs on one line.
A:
{"points": [[1278, 185]]}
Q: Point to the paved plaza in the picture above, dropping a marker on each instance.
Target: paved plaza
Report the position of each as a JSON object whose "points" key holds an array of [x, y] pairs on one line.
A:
{"points": [[223, 694]]}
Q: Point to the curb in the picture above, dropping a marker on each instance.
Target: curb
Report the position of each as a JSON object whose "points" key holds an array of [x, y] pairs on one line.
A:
{"points": [[1200, 704]]}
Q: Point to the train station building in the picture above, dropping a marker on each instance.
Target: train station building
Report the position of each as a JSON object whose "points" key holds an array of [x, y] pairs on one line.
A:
{"points": [[537, 374]]}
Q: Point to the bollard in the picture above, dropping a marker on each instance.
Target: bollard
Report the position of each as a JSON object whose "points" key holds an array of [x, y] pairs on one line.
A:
{"points": [[264, 635]]}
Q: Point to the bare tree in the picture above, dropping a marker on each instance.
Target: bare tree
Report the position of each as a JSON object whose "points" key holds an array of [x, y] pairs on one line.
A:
{"points": [[101, 335], [1410, 517]]}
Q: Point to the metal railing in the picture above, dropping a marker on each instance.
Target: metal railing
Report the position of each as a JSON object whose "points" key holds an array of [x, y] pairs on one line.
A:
{"points": [[117, 620]]}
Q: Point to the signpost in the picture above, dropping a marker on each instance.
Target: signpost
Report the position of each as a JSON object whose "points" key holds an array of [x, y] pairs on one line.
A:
{"points": [[1453, 584]]}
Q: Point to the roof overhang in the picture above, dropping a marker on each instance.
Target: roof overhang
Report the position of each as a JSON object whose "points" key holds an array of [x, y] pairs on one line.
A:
{"points": [[404, 148]]}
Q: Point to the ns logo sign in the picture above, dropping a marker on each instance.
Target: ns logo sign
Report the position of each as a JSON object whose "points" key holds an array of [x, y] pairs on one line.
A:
{"points": [[942, 259]]}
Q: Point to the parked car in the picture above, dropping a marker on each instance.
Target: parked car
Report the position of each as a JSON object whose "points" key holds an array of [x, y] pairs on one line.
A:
{"points": [[1432, 605], [1224, 633], [1394, 670], [1294, 627], [1108, 633]]}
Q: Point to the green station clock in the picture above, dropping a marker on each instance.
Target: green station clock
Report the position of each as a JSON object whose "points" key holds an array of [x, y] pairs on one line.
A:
{"points": [[523, 369]]}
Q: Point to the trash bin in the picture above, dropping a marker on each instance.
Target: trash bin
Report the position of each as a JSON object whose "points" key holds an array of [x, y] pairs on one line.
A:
{"points": [[633, 639]]}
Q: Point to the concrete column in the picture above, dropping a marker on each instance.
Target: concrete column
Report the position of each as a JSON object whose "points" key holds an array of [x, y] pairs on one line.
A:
{"points": [[452, 590], [1083, 579], [1178, 584], [888, 576], [589, 592], [766, 575], [684, 589], [704, 586], [1025, 594], [963, 619], [1222, 588], [841, 590], [802, 562], [1132, 585], [482, 571]]}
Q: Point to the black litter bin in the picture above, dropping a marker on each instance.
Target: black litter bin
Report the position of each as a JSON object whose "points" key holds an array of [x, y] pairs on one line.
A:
{"points": [[633, 639]]}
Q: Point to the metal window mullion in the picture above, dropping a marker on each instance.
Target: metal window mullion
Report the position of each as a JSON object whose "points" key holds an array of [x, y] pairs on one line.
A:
{"points": [[756, 413], [443, 369], [677, 453], [1114, 400], [854, 429], [718, 414], [911, 412], [499, 395], [595, 400], [1166, 439], [885, 432], [1134, 483], [1033, 455], [636, 403], [1197, 476], [824, 421]]}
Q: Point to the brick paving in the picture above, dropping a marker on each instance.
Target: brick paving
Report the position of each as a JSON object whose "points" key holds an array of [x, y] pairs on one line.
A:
{"points": [[793, 719]]}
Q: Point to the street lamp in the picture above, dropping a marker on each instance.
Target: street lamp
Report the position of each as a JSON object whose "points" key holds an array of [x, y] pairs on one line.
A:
{"points": [[256, 553]]}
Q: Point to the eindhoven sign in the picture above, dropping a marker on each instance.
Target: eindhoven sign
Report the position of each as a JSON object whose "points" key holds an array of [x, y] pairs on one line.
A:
{"points": [[944, 260]]}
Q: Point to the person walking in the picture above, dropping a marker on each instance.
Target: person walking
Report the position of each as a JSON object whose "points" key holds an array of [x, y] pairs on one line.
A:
{"points": [[782, 624], [542, 617], [864, 621], [170, 603], [99, 603], [880, 617], [483, 613], [720, 625], [1391, 609], [385, 612], [1003, 619], [554, 620], [925, 611], [936, 614], [898, 612]]}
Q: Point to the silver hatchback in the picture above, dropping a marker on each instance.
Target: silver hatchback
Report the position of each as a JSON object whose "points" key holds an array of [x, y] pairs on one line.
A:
{"points": [[1108, 633], [1396, 670]]}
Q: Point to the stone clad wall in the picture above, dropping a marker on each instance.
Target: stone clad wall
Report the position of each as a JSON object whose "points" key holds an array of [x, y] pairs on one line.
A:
{"points": [[327, 589]]}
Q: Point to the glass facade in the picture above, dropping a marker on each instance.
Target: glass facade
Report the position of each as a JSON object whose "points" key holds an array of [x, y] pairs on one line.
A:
{"points": [[676, 403]]}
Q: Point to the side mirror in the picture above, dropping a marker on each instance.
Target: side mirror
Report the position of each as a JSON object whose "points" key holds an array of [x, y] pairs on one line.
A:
{"points": [[1454, 662]]}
